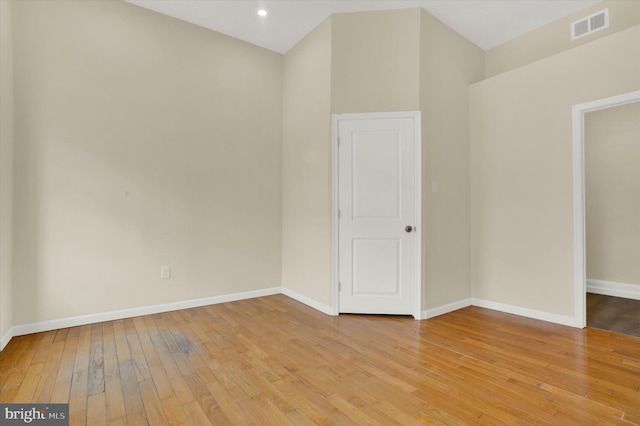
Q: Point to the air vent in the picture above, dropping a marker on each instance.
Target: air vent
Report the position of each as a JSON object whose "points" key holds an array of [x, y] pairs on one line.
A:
{"points": [[590, 24]]}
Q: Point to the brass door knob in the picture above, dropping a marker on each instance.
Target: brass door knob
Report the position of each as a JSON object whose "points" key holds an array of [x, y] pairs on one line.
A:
{"points": [[408, 228]]}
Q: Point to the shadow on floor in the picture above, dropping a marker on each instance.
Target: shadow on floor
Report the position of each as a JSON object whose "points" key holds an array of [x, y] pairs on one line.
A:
{"points": [[615, 314]]}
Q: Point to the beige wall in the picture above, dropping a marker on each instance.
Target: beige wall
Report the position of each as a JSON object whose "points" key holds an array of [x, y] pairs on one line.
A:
{"points": [[448, 64], [556, 37], [306, 167], [612, 194], [141, 141], [144, 141], [399, 60], [521, 170], [6, 168], [353, 62], [375, 63]]}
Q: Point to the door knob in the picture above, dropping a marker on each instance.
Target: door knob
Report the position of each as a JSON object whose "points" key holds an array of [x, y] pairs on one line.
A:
{"points": [[408, 228]]}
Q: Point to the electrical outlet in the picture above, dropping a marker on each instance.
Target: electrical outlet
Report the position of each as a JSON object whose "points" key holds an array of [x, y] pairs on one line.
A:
{"points": [[434, 186], [165, 272]]}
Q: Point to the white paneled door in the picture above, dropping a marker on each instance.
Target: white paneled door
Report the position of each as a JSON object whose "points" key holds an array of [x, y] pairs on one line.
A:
{"points": [[378, 242]]}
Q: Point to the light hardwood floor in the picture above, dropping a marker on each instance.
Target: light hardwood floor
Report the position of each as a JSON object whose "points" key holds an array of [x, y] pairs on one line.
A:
{"points": [[275, 361]]}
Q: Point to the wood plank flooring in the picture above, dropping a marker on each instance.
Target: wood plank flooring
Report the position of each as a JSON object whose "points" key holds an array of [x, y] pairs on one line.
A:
{"points": [[614, 314], [274, 361]]}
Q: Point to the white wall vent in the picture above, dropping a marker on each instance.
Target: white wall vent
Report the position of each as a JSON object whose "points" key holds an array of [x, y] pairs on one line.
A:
{"points": [[590, 24]]}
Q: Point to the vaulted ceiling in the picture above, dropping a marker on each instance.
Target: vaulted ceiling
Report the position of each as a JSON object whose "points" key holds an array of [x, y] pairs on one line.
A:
{"points": [[487, 23]]}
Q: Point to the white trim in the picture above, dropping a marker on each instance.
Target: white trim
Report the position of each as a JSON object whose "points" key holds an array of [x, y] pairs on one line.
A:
{"points": [[525, 312], [631, 291], [445, 309], [4, 340], [418, 228], [37, 327], [578, 113], [335, 242], [417, 117], [325, 309], [612, 288]]}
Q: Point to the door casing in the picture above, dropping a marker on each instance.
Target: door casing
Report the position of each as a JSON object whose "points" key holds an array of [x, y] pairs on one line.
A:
{"points": [[416, 116], [579, 223]]}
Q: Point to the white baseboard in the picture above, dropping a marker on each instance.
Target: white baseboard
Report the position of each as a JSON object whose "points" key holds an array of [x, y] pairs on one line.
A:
{"points": [[502, 307], [329, 310], [445, 309], [620, 290], [38, 327], [526, 312], [611, 288], [5, 339]]}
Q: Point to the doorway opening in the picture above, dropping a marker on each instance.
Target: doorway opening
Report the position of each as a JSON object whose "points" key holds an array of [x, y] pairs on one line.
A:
{"points": [[612, 218], [580, 271]]}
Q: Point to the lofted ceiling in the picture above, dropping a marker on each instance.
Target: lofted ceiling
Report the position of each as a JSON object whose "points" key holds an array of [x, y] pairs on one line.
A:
{"points": [[487, 23]]}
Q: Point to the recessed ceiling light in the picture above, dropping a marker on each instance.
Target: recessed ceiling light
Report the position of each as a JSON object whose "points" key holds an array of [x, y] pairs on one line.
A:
{"points": [[262, 12]]}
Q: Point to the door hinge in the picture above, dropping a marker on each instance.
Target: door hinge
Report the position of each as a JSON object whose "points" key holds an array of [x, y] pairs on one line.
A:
{"points": [[339, 286], [339, 213]]}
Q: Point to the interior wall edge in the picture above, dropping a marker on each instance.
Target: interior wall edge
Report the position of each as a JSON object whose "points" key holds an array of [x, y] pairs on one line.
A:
{"points": [[325, 309], [6, 338], [445, 309], [6, 170]]}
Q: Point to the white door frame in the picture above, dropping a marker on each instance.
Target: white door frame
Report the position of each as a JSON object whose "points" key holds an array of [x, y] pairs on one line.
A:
{"points": [[579, 223], [416, 116]]}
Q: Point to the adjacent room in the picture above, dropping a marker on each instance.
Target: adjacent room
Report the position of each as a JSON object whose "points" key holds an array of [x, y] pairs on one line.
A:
{"points": [[340, 212], [612, 195]]}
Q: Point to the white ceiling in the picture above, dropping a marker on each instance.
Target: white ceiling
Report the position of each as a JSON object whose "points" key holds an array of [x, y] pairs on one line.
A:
{"points": [[487, 23]]}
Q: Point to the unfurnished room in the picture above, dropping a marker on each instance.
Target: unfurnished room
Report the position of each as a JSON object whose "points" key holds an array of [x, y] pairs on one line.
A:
{"points": [[318, 212]]}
